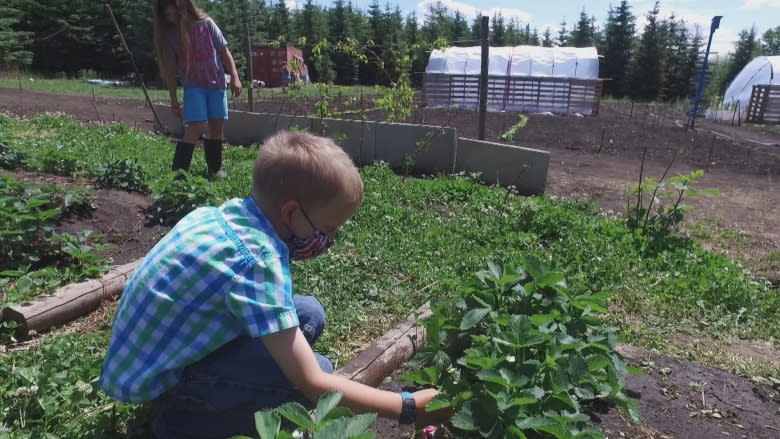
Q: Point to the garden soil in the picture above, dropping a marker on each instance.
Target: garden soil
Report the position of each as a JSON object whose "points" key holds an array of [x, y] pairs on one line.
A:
{"points": [[595, 158]]}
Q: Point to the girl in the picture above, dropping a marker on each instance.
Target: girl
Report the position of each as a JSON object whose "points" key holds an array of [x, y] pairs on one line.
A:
{"points": [[190, 44]]}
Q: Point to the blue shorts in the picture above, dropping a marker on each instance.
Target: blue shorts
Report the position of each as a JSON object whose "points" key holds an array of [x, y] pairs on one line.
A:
{"points": [[202, 104]]}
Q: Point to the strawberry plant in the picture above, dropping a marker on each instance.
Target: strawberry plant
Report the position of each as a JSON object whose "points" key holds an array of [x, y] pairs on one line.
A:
{"points": [[180, 195], [11, 157], [124, 174], [518, 354], [329, 422]]}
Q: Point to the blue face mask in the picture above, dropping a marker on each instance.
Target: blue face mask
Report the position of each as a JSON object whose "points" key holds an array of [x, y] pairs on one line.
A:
{"points": [[311, 246]]}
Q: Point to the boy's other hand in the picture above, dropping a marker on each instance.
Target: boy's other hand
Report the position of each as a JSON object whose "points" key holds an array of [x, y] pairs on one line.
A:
{"points": [[424, 418], [235, 86]]}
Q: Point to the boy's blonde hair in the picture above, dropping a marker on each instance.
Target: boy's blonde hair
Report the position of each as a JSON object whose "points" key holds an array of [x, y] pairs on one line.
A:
{"points": [[310, 169]]}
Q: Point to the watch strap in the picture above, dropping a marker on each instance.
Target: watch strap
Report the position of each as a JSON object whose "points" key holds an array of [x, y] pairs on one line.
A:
{"points": [[408, 409]]}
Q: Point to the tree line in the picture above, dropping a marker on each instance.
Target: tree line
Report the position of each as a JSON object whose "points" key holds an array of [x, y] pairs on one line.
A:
{"points": [[657, 62]]}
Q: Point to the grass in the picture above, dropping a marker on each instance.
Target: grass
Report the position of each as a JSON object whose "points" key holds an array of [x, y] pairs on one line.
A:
{"points": [[79, 86], [410, 237]]}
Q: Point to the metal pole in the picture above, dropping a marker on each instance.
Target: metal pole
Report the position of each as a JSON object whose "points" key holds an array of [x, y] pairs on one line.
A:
{"points": [[483, 77], [249, 74], [700, 86], [137, 72]]}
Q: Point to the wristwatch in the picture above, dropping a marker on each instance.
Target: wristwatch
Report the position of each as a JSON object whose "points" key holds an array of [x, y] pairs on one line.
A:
{"points": [[408, 409]]}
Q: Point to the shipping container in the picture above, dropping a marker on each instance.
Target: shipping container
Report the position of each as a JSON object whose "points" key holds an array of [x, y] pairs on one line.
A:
{"points": [[268, 62]]}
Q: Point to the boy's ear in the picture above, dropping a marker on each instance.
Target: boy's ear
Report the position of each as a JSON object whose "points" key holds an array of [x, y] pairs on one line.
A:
{"points": [[287, 210]]}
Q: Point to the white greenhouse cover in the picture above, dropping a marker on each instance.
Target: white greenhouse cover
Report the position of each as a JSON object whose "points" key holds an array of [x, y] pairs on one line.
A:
{"points": [[764, 70], [558, 62]]}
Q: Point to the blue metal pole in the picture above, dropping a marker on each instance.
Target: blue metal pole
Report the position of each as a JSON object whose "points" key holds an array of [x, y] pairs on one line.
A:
{"points": [[700, 85]]}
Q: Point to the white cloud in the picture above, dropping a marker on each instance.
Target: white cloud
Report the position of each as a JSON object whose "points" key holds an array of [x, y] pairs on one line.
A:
{"points": [[756, 4], [470, 11]]}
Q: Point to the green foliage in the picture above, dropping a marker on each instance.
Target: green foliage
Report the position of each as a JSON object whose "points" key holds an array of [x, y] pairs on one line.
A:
{"points": [[658, 224], [645, 76], [37, 256], [11, 157], [329, 422], [14, 43], [770, 42], [516, 352], [509, 135], [52, 391], [746, 49], [126, 174], [61, 161], [180, 195], [619, 38], [396, 101]]}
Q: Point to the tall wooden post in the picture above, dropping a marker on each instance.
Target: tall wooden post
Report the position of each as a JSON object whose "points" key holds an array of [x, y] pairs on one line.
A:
{"points": [[483, 78], [249, 75]]}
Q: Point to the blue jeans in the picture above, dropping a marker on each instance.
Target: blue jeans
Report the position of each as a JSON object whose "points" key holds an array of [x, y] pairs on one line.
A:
{"points": [[218, 396]]}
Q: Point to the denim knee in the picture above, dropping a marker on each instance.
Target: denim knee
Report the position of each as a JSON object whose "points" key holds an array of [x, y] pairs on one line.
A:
{"points": [[311, 317]]}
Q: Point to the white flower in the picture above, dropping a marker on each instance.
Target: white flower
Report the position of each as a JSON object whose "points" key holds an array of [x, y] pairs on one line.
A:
{"points": [[83, 387], [510, 358]]}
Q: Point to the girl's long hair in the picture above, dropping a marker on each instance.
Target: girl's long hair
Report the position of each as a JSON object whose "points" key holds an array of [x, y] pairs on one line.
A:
{"points": [[188, 15]]}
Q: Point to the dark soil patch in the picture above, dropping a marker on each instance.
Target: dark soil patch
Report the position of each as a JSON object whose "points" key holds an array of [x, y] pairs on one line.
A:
{"points": [[119, 216], [678, 399]]}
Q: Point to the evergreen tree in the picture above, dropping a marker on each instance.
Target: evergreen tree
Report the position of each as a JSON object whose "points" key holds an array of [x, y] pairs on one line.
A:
{"points": [[279, 26], [747, 48], [460, 27], [312, 24], [497, 30], [619, 37], [534, 40], [437, 22], [583, 33], [645, 78], [345, 64], [14, 43], [476, 28], [770, 42], [679, 71], [563, 35], [547, 40]]}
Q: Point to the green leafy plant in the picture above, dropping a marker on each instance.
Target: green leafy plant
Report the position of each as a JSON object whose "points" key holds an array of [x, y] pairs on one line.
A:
{"points": [[509, 135], [126, 174], [180, 195], [667, 196], [11, 157], [329, 422], [61, 161], [517, 354]]}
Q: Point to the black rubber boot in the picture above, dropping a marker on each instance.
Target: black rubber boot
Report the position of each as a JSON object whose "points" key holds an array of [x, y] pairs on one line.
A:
{"points": [[212, 148], [183, 155]]}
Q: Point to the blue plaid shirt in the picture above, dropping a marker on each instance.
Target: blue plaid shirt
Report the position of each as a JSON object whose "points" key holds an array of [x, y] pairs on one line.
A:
{"points": [[219, 273]]}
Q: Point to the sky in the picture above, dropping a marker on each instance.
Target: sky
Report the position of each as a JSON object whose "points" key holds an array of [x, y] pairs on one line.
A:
{"points": [[737, 14]]}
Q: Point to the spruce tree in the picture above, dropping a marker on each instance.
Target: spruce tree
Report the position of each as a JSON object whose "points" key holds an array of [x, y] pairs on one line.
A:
{"points": [[645, 78], [747, 49], [345, 64], [547, 40], [497, 30], [583, 32], [619, 38], [15, 44], [563, 35], [313, 26], [279, 26], [770, 42]]}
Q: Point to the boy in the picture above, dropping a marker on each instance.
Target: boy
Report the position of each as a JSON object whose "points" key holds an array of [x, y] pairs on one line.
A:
{"points": [[208, 327]]}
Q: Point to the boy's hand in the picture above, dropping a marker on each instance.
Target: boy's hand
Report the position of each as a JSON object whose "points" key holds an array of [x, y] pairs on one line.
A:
{"points": [[424, 418]]}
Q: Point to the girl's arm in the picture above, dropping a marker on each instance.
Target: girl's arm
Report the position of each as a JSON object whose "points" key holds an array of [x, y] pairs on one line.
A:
{"points": [[170, 81], [227, 59]]}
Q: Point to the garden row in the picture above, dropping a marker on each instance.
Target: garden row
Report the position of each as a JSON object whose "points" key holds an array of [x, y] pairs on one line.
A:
{"points": [[413, 240]]}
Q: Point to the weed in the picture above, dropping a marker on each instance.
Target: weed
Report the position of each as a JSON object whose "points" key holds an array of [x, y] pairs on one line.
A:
{"points": [[11, 157], [509, 135]]}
